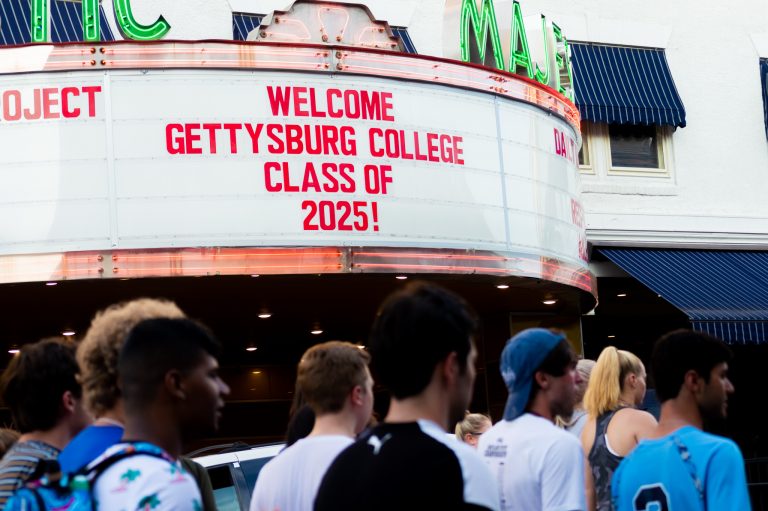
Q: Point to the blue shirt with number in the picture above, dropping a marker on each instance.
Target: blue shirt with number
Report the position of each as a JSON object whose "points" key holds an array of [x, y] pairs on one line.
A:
{"points": [[688, 470]]}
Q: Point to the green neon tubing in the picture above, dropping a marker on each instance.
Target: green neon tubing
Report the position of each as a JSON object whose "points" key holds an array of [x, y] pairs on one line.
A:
{"points": [[481, 24], [132, 29], [40, 21], [542, 76], [559, 59], [91, 30], [569, 68], [519, 54]]}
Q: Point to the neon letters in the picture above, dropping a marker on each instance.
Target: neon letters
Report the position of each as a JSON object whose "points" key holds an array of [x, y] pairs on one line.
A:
{"points": [[129, 26], [480, 42]]}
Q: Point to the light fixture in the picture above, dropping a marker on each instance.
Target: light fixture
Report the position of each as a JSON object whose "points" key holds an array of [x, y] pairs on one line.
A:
{"points": [[51, 283], [502, 286], [255, 372], [549, 301], [68, 332], [611, 336], [316, 329], [621, 295], [14, 349], [401, 277], [360, 347], [265, 314], [254, 276], [251, 347]]}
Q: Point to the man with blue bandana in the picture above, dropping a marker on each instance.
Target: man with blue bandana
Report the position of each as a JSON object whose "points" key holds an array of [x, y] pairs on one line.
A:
{"points": [[539, 466]]}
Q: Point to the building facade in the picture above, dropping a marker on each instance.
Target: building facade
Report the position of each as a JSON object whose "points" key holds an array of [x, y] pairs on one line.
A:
{"points": [[138, 166]]}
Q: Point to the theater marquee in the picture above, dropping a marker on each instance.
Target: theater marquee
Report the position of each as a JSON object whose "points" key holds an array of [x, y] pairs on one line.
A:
{"points": [[201, 148]]}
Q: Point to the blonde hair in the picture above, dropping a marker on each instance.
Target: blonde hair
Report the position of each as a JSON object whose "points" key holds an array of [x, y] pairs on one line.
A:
{"points": [[471, 424], [98, 352], [605, 382]]}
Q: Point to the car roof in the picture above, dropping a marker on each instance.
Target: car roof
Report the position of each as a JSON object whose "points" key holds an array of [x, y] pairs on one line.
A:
{"points": [[253, 453]]}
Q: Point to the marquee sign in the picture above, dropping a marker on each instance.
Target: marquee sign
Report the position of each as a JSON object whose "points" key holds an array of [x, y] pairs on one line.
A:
{"points": [[157, 158]]}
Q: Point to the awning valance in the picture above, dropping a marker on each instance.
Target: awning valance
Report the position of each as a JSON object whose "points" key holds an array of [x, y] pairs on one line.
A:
{"points": [[623, 85], [724, 293]]}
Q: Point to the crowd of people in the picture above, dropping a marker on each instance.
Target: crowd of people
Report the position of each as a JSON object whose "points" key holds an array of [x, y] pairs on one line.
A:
{"points": [[144, 381]]}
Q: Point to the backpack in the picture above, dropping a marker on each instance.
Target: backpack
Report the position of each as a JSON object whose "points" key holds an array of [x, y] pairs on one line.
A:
{"points": [[73, 491]]}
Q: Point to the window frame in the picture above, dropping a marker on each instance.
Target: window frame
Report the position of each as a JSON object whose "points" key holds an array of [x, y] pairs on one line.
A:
{"points": [[586, 148], [661, 155], [598, 147]]}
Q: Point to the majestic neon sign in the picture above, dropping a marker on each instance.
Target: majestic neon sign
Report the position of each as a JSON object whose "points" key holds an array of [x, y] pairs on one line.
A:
{"points": [[129, 26], [481, 41]]}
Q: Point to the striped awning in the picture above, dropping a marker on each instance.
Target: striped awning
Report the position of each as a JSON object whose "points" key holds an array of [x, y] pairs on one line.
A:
{"points": [[620, 85], [66, 22], [724, 293]]}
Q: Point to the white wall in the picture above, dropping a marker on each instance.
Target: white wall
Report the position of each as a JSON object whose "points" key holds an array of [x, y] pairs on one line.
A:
{"points": [[717, 194]]}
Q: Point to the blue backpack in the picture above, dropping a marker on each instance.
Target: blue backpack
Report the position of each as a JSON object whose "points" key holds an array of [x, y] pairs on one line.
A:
{"points": [[73, 491]]}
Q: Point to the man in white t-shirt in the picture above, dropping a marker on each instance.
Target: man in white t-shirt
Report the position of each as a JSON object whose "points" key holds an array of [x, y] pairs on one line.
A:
{"points": [[337, 385], [539, 467], [171, 393]]}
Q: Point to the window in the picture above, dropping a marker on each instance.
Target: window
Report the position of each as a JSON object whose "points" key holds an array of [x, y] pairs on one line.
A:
{"points": [[251, 469], [625, 150], [585, 156], [635, 147], [224, 491]]}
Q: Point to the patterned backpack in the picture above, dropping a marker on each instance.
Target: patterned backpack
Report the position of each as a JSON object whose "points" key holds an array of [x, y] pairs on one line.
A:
{"points": [[72, 491]]}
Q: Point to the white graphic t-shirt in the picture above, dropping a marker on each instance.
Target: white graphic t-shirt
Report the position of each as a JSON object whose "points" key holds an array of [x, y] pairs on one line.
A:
{"points": [[146, 483], [290, 481]]}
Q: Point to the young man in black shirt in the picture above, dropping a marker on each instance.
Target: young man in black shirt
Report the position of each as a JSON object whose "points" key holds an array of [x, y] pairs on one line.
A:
{"points": [[422, 350]]}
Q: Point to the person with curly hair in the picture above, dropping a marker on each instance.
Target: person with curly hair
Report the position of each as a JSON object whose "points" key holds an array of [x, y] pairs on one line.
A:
{"points": [[97, 357]]}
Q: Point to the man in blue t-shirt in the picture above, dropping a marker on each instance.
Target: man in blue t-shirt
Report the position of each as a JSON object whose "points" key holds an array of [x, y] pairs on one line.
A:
{"points": [[680, 467]]}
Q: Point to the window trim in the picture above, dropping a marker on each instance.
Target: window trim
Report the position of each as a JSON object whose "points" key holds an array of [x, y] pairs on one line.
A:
{"points": [[599, 153], [587, 148]]}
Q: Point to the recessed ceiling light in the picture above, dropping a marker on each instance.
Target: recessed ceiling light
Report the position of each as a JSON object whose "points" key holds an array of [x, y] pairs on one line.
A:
{"points": [[251, 347], [550, 301], [255, 372], [316, 331], [51, 283], [502, 286], [621, 295], [68, 333], [265, 315], [611, 336], [13, 350], [401, 277]]}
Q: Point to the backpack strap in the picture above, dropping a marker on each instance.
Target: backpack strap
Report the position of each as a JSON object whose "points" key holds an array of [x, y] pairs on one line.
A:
{"points": [[685, 455], [95, 469]]}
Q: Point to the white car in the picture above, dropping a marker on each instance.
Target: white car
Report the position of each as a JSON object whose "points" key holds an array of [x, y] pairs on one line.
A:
{"points": [[234, 471]]}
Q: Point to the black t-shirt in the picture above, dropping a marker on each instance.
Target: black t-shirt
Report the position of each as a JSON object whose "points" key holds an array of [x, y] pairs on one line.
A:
{"points": [[407, 466]]}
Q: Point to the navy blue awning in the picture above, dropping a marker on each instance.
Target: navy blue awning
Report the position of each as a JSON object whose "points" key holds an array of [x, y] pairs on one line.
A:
{"points": [[66, 22], [623, 85], [724, 293], [764, 83], [243, 24]]}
